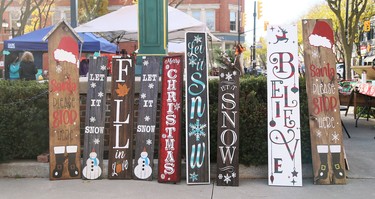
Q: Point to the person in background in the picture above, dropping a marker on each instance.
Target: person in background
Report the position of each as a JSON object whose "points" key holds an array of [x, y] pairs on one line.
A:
{"points": [[27, 67], [83, 67], [14, 67]]}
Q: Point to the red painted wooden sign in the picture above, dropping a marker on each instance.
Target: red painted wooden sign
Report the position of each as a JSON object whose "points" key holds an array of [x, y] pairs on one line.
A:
{"points": [[95, 119], [120, 158], [197, 110], [324, 105], [65, 156], [170, 120]]}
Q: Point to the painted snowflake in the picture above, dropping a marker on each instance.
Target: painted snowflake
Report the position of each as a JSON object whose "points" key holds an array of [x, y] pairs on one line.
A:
{"points": [[234, 73], [192, 61], [222, 75], [197, 39], [58, 69], [177, 106], [100, 94], [92, 119], [228, 76], [143, 95], [96, 141], [227, 178], [193, 176], [145, 62], [151, 85], [335, 137], [147, 118], [93, 85], [315, 54], [318, 133], [197, 130], [103, 67], [220, 176], [234, 174], [149, 142]]}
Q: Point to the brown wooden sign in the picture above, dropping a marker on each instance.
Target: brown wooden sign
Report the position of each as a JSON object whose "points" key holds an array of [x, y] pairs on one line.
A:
{"points": [[146, 125], [64, 136], [170, 120], [120, 158], [323, 100], [95, 119], [228, 127], [197, 110]]}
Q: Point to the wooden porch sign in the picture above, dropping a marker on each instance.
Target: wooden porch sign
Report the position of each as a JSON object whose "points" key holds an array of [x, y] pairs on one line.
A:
{"points": [[95, 119], [120, 158], [197, 110], [64, 135], [146, 125], [284, 137], [323, 99], [228, 128], [170, 120]]}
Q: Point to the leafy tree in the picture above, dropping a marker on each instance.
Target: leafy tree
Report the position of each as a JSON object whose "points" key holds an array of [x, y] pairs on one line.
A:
{"points": [[262, 52], [91, 9], [40, 15], [347, 28]]}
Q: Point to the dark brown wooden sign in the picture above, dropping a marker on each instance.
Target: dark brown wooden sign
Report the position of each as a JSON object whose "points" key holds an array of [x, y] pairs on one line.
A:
{"points": [[323, 100], [64, 135], [170, 120], [146, 125], [95, 119], [228, 128], [120, 158], [197, 110]]}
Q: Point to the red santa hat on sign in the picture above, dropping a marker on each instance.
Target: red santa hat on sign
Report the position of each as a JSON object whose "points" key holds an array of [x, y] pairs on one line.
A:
{"points": [[322, 35], [67, 51]]}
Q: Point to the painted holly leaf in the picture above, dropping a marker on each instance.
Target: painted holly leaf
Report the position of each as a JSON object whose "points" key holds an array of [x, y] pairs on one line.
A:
{"points": [[122, 90]]}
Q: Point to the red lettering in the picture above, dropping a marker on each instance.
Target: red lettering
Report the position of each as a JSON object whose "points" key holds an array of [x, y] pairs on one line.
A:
{"points": [[66, 117], [66, 85]]}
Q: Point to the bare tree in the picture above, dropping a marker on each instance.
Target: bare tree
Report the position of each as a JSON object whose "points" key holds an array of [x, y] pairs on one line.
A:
{"points": [[4, 4], [348, 27]]}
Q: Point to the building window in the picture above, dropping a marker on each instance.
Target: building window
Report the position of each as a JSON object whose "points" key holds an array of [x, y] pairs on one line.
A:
{"points": [[210, 19], [196, 14], [233, 21]]}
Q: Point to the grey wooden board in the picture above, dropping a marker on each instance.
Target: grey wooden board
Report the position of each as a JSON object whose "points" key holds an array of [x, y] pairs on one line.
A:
{"points": [[95, 119], [146, 125]]}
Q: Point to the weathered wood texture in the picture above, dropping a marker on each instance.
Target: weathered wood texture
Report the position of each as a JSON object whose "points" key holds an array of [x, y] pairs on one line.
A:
{"points": [[197, 110], [323, 100], [120, 157], [64, 120], [170, 120], [146, 125], [228, 127], [284, 136], [95, 119]]}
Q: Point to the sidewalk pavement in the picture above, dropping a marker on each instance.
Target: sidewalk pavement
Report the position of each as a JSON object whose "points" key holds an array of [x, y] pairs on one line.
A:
{"points": [[360, 152]]}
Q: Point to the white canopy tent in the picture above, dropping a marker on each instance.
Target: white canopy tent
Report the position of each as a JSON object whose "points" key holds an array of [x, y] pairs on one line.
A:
{"points": [[122, 25]]}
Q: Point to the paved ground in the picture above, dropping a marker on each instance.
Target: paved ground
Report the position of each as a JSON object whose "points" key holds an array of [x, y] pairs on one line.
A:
{"points": [[360, 151]]}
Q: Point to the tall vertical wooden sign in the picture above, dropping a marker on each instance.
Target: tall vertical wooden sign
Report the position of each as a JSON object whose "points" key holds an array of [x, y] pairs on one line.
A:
{"points": [[64, 136], [120, 160], [95, 119], [148, 102], [197, 110], [284, 136], [170, 120], [228, 127], [324, 105]]}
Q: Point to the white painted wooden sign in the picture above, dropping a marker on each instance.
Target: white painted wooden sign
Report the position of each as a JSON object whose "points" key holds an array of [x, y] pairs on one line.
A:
{"points": [[284, 139]]}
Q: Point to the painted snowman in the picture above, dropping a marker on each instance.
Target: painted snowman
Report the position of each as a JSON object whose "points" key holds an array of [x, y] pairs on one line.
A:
{"points": [[92, 170], [143, 169]]}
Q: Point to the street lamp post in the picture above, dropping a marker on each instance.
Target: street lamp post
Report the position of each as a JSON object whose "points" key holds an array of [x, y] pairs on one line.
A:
{"points": [[5, 26]]}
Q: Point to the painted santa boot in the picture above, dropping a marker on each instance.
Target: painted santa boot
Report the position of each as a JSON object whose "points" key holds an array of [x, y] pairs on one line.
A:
{"points": [[323, 170], [72, 152], [338, 171], [60, 158]]}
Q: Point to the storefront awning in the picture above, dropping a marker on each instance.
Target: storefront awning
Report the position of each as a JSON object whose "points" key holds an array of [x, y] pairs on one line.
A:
{"points": [[369, 59]]}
